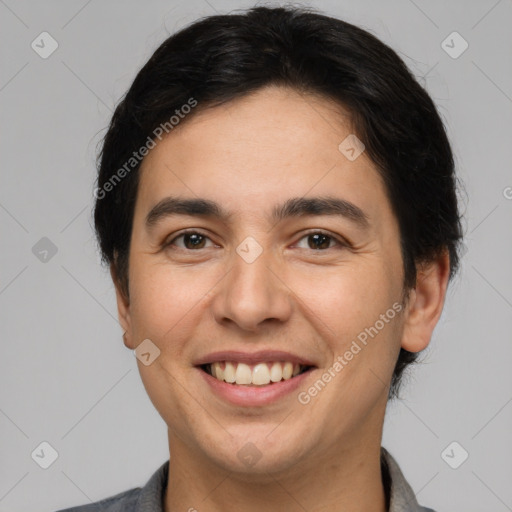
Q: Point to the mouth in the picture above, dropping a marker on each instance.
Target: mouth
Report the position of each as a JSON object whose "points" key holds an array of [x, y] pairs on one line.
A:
{"points": [[264, 373], [253, 380]]}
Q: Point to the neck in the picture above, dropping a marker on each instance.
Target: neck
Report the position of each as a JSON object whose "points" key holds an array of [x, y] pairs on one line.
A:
{"points": [[342, 480]]}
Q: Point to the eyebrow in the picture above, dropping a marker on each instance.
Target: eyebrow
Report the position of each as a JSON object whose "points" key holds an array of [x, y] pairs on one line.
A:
{"points": [[293, 207]]}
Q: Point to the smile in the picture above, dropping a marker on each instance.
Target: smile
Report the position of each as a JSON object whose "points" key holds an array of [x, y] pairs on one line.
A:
{"points": [[260, 374]]}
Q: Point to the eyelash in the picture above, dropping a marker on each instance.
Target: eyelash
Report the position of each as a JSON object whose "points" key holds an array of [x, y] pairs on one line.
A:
{"points": [[340, 242]]}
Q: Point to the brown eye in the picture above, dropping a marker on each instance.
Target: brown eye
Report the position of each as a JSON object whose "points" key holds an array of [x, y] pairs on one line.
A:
{"points": [[191, 240], [319, 241]]}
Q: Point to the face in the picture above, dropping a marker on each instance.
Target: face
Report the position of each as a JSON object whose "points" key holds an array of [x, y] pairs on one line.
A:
{"points": [[309, 298]]}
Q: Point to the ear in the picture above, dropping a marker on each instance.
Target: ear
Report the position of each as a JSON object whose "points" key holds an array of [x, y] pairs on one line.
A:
{"points": [[123, 309], [425, 303]]}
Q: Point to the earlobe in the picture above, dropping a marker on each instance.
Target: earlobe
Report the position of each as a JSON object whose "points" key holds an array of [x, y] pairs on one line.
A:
{"points": [[426, 303], [123, 309]]}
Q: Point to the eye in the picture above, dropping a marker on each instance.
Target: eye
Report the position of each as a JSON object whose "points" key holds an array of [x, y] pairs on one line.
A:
{"points": [[320, 240], [191, 240]]}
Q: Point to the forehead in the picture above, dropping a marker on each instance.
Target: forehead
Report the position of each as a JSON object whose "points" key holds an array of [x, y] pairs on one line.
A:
{"points": [[269, 145]]}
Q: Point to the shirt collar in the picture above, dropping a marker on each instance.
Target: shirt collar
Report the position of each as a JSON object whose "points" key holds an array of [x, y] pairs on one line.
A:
{"points": [[401, 496]]}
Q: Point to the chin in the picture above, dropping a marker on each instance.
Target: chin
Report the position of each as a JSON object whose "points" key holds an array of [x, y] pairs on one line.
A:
{"points": [[259, 450]]}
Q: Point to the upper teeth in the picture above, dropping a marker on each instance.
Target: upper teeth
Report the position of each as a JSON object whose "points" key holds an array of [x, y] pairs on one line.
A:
{"points": [[259, 374]]}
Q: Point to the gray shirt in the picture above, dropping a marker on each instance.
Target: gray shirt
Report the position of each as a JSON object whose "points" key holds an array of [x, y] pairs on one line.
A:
{"points": [[150, 498]]}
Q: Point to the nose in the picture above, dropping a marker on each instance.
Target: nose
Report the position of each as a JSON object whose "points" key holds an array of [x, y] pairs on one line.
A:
{"points": [[252, 295]]}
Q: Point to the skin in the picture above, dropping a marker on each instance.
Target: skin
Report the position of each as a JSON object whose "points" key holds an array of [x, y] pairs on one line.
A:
{"points": [[249, 155]]}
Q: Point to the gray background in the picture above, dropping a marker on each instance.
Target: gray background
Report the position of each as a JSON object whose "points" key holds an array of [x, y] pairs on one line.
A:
{"points": [[66, 376]]}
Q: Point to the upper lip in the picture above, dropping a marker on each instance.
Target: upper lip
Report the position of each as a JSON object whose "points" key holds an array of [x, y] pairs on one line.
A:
{"points": [[252, 357]]}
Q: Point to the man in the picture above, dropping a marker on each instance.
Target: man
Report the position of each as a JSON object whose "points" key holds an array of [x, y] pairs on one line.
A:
{"points": [[276, 202]]}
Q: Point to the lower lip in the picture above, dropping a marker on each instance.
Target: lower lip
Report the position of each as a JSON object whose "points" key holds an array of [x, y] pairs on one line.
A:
{"points": [[253, 396]]}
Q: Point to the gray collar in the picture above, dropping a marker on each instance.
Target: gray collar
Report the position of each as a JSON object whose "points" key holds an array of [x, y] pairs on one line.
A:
{"points": [[401, 496]]}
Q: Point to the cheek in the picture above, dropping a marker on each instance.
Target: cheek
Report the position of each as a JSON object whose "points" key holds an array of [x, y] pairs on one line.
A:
{"points": [[167, 301], [347, 299], [353, 310], [158, 300]]}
